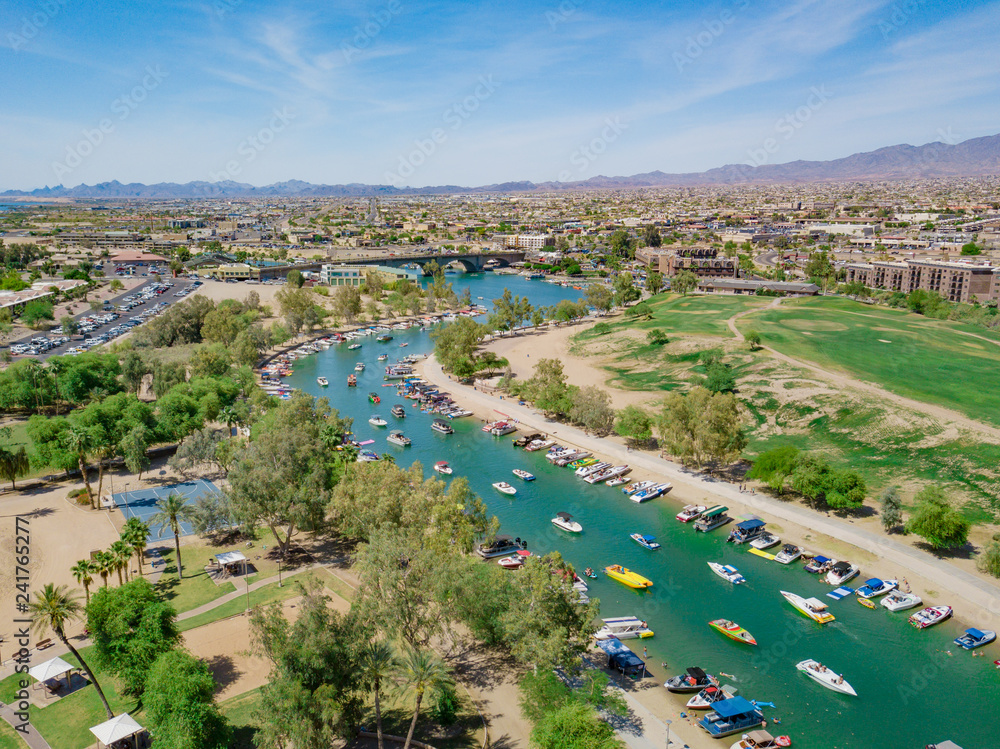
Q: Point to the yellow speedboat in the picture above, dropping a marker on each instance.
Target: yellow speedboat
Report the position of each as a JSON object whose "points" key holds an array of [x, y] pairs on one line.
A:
{"points": [[627, 577]]}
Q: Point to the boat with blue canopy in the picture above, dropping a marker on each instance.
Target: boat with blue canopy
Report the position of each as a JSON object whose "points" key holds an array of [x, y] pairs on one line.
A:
{"points": [[621, 658], [748, 530], [875, 587], [647, 542], [975, 638], [735, 715]]}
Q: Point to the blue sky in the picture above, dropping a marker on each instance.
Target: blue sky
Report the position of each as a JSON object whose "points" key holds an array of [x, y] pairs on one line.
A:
{"points": [[428, 93]]}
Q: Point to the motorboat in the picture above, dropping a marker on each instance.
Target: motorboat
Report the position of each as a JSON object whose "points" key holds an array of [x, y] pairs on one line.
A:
{"points": [[727, 572], [691, 512], [442, 426], [502, 428], [712, 518], [570, 457], [616, 481], [647, 542], [651, 492], [930, 616], [382, 357], [374, 398], [523, 474], [627, 577], [900, 601], [623, 628], [384, 338], [536, 445], [396, 437], [359, 367], [526, 439], [765, 541], [515, 560], [398, 411], [593, 468], [732, 630], [377, 421], [637, 486], [607, 473], [735, 715], [352, 381], [710, 695], [825, 676], [841, 572], [442, 467], [819, 565], [788, 554], [504, 488], [693, 680], [565, 521], [368, 456], [583, 462], [322, 382], [354, 346], [501, 546], [811, 607], [874, 587], [746, 531], [761, 740], [975, 638]]}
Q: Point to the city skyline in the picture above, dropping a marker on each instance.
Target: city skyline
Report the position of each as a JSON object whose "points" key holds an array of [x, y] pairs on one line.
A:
{"points": [[445, 93]]}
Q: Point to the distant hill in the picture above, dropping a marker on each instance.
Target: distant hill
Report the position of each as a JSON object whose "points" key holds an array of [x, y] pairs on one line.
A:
{"points": [[972, 158]]}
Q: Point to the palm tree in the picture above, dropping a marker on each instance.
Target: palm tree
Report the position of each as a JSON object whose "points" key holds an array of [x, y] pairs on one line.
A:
{"points": [[13, 463], [136, 533], [52, 608], [420, 670], [378, 662], [84, 571], [80, 441], [104, 565], [173, 510], [121, 556]]}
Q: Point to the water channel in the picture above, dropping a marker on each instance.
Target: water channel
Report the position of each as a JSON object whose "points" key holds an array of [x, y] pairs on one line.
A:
{"points": [[905, 678]]}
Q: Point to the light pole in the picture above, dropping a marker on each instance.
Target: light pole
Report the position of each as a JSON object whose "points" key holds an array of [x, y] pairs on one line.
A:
{"points": [[668, 733], [279, 572]]}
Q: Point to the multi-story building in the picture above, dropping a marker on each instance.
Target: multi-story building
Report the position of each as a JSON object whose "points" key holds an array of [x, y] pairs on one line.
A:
{"points": [[522, 242], [354, 275], [955, 281], [704, 262]]}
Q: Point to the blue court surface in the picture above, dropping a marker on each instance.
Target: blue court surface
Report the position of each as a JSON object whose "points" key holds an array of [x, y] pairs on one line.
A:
{"points": [[141, 503]]}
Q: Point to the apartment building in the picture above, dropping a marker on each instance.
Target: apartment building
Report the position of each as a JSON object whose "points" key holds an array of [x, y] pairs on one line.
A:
{"points": [[522, 242], [354, 275], [955, 281], [704, 262]]}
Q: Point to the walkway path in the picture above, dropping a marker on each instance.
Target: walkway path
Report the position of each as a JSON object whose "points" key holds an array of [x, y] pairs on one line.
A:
{"points": [[981, 593], [31, 737]]}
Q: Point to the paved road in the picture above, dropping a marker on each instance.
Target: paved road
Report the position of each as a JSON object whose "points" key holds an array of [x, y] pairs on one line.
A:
{"points": [[168, 296]]}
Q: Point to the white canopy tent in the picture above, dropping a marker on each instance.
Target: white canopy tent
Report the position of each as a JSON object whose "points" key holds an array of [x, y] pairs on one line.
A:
{"points": [[51, 669], [118, 728], [229, 560]]}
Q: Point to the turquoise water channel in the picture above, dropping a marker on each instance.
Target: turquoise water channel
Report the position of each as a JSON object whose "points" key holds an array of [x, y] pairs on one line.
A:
{"points": [[910, 690]]}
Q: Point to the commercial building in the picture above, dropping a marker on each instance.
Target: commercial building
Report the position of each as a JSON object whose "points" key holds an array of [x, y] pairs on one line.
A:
{"points": [[751, 287], [354, 275], [522, 242], [704, 262], [955, 281]]}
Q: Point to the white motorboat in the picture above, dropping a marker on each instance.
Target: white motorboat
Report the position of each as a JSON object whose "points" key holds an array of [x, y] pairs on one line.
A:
{"points": [[623, 628], [691, 512], [565, 521], [761, 740], [536, 445], [585, 471], [930, 616], [515, 560], [568, 457], [322, 382], [765, 541], [694, 680], [647, 542], [359, 367], [617, 481], [811, 607], [876, 587], [607, 473], [841, 572], [523, 474], [396, 437], [727, 572], [354, 346], [442, 467], [504, 488], [638, 486], [704, 699], [825, 676], [501, 546], [651, 492], [383, 357], [377, 421], [900, 601], [442, 426], [788, 554]]}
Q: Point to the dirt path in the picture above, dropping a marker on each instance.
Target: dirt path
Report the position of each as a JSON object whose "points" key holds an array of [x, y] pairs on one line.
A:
{"points": [[945, 415]]}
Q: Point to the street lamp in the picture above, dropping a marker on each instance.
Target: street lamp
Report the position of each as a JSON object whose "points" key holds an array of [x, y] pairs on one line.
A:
{"points": [[279, 571], [668, 733]]}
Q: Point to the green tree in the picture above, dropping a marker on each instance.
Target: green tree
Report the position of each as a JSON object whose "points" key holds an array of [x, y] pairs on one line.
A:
{"points": [[420, 671], [621, 244], [14, 462], [989, 560], [131, 627], [599, 296], [936, 521], [592, 408], [457, 343], [172, 510], [701, 426], [134, 368], [651, 236], [179, 704], [625, 289], [52, 608], [295, 279], [135, 533], [573, 726], [971, 248], [104, 565], [774, 466], [37, 311], [657, 337], [121, 553], [83, 572], [69, 326], [654, 282], [753, 339], [634, 424], [80, 441], [548, 389], [377, 666], [684, 282], [347, 303], [890, 508], [719, 377]]}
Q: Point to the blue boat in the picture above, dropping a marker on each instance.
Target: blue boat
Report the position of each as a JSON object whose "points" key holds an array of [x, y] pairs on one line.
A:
{"points": [[735, 715], [648, 542], [621, 658], [875, 587], [975, 638], [748, 530]]}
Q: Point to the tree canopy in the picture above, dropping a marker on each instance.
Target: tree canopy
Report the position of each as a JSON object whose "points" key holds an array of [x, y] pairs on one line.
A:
{"points": [[936, 521]]}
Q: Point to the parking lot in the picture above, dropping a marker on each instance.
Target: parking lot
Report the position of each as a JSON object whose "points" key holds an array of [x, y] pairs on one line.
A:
{"points": [[119, 316]]}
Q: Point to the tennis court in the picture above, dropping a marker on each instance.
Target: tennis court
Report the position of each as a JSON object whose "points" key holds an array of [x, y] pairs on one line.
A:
{"points": [[141, 503]]}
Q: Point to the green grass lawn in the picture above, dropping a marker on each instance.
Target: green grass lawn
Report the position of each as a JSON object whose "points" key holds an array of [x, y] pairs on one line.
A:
{"points": [[266, 594], [928, 360], [689, 315], [239, 712], [196, 587], [9, 738]]}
